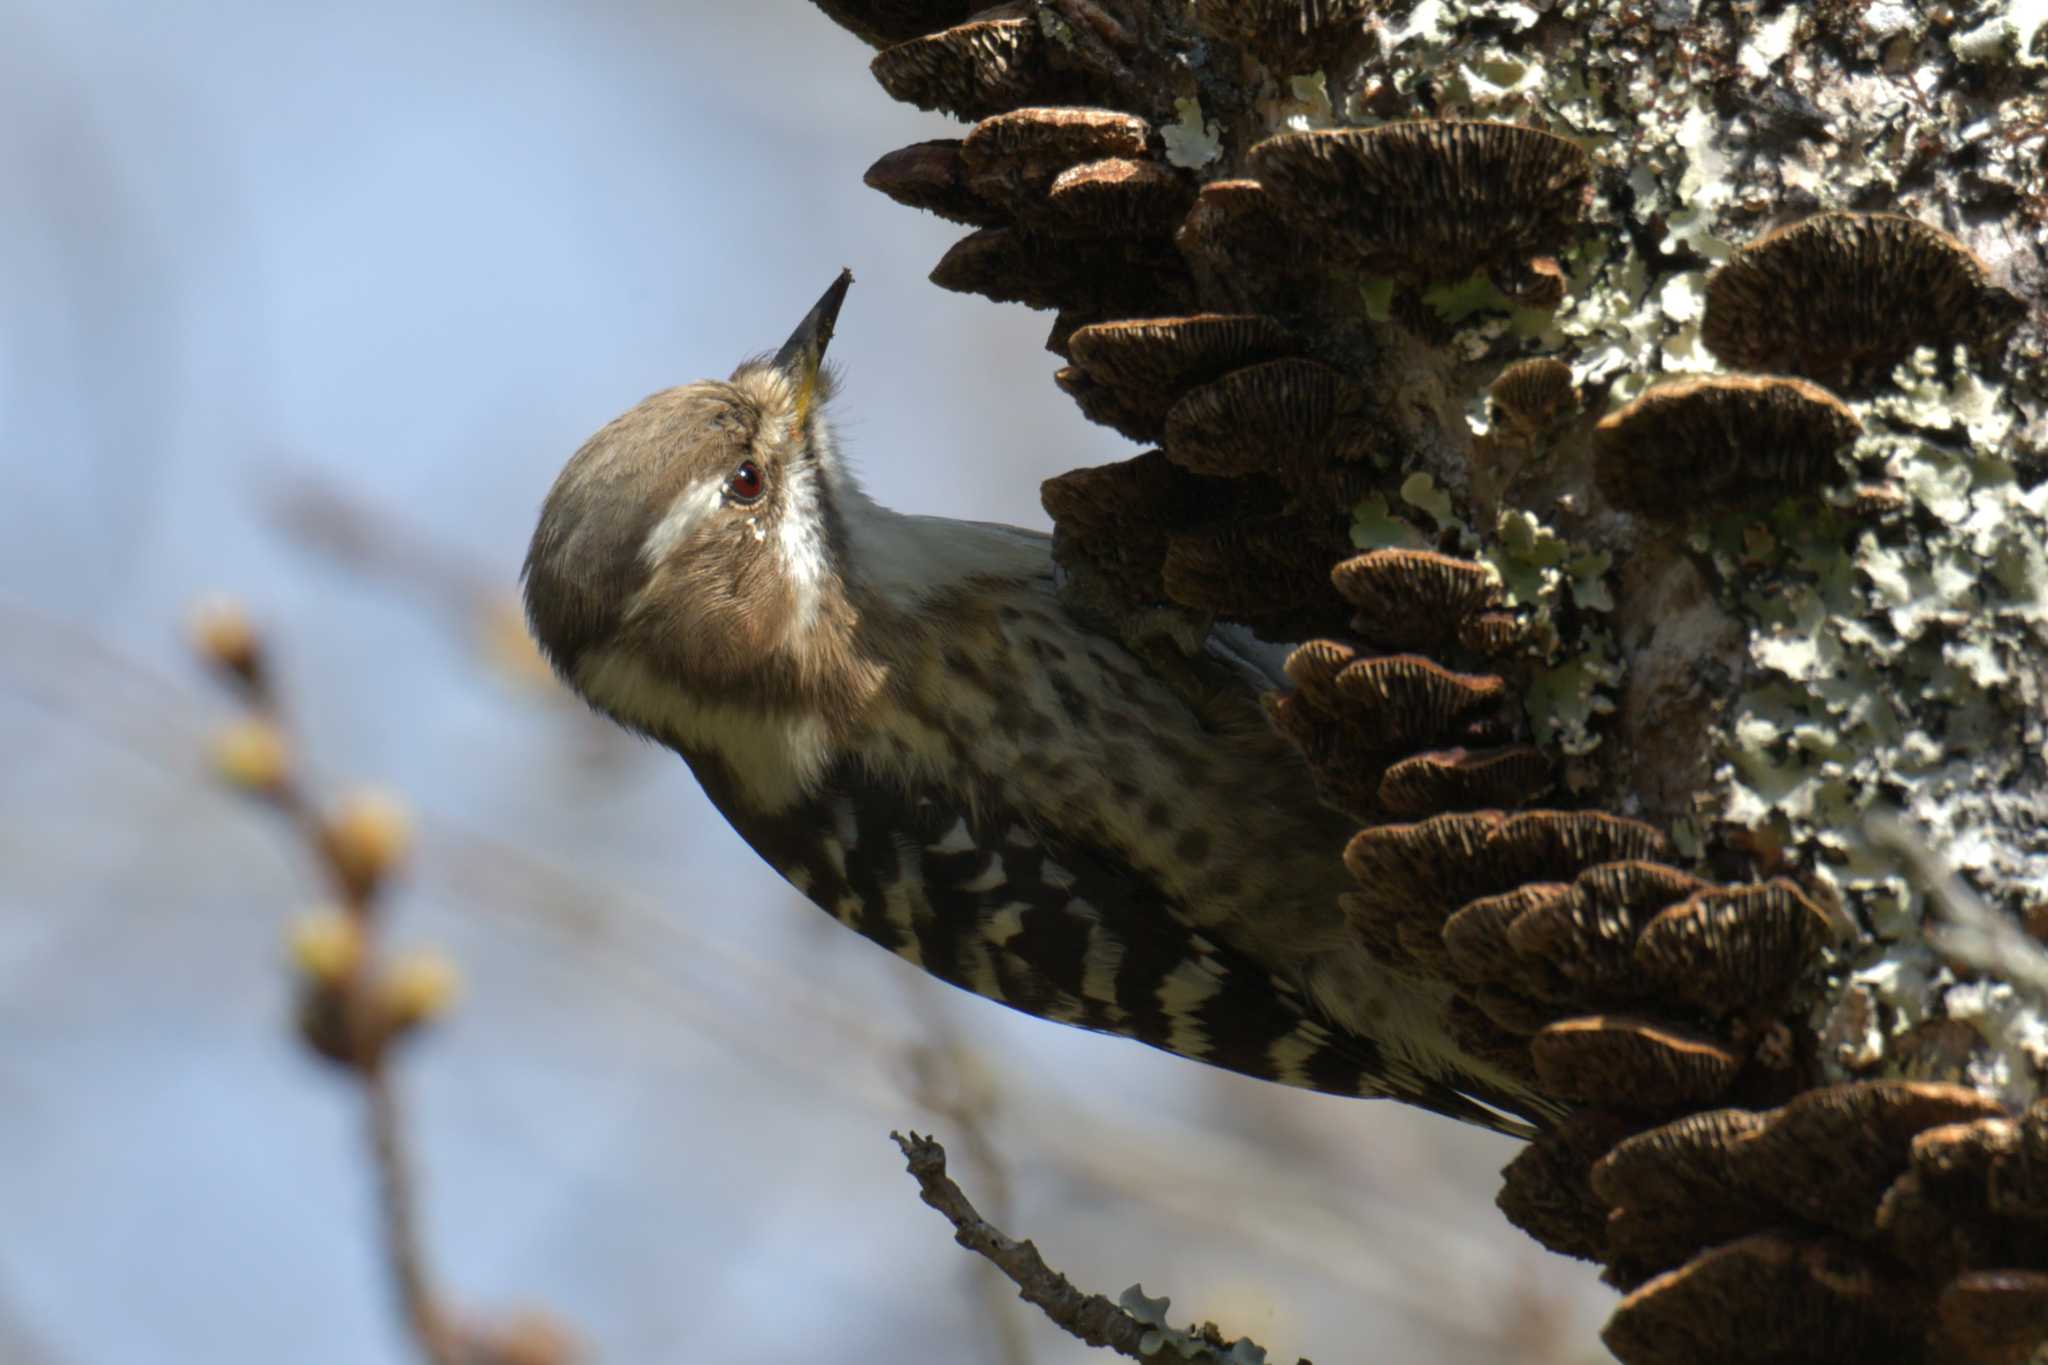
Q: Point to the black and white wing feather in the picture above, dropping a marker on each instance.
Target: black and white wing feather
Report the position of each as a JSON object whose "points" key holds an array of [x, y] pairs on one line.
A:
{"points": [[1047, 925]]}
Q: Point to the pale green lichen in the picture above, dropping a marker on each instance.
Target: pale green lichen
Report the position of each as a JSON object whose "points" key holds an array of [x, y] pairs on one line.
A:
{"points": [[1895, 666], [1376, 295], [2014, 32], [1890, 663], [1373, 527], [1768, 42], [1192, 142], [1192, 1345], [1304, 106]]}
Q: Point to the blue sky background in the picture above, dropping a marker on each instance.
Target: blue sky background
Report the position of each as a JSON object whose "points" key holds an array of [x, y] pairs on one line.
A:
{"points": [[308, 303]]}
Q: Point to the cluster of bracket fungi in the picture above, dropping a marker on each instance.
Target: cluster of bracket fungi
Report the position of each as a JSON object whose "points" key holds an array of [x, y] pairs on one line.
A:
{"points": [[1195, 314]]}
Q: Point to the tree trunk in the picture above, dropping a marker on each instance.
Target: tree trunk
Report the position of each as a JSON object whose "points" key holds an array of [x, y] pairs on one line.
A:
{"points": [[1682, 368]]}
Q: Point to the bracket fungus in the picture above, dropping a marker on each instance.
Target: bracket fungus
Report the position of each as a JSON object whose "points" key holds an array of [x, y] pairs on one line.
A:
{"points": [[1236, 232], [932, 177], [1118, 517], [1164, 357], [1128, 413], [1544, 1190], [1533, 396], [1632, 1064], [1827, 1302], [879, 23], [1287, 34], [1011, 265], [1727, 948], [1589, 935], [1720, 438], [1476, 934], [1464, 779], [1268, 329], [1116, 197], [984, 66], [1286, 414], [1433, 199], [1252, 570], [1013, 158], [1403, 701], [1994, 1317], [1416, 599], [1437, 865], [1827, 1161], [1870, 288]]}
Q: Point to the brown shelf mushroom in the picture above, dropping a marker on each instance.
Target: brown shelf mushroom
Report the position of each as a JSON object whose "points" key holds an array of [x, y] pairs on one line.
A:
{"points": [[1544, 1190], [1400, 702], [1532, 396], [1236, 230], [1829, 1154], [1718, 438], [1261, 571], [1589, 935], [1728, 948], [1119, 409], [1558, 845], [1444, 862], [1477, 934], [1464, 779], [1633, 1064], [1116, 197], [878, 23], [1994, 1317], [1010, 265], [1826, 1301], [1285, 33], [1870, 288], [1434, 199], [1692, 1160], [1313, 667], [1164, 357], [1119, 516], [981, 67], [1493, 632], [1287, 414], [1415, 599], [930, 176], [1013, 158]]}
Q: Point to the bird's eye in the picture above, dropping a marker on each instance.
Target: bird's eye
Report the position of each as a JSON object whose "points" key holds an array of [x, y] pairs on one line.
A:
{"points": [[744, 484]]}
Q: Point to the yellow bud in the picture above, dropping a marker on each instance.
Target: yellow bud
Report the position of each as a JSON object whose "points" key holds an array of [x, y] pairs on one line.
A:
{"points": [[326, 945], [224, 635], [367, 837], [418, 986], [252, 754]]}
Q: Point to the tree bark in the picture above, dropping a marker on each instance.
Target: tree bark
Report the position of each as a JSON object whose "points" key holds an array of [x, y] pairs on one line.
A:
{"points": [[1714, 389]]}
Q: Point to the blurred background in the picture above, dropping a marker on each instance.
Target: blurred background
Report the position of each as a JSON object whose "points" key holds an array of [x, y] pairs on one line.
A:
{"points": [[308, 303]]}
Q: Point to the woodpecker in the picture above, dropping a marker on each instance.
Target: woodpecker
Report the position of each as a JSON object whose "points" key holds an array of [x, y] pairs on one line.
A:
{"points": [[902, 718]]}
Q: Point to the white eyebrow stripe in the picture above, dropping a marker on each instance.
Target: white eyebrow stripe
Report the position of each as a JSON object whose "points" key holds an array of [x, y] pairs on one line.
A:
{"points": [[803, 540], [691, 506]]}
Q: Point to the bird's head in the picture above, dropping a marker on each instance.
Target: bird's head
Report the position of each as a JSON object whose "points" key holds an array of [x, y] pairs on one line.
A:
{"points": [[697, 536]]}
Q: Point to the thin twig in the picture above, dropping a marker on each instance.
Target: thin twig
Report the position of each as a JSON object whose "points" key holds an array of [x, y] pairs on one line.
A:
{"points": [[647, 952], [944, 1081], [1972, 932], [1089, 1317], [402, 1242], [351, 1024]]}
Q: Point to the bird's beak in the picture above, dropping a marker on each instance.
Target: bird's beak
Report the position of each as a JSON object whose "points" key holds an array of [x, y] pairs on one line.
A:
{"points": [[804, 352]]}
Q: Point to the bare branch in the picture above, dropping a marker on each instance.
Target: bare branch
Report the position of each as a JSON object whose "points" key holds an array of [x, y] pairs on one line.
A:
{"points": [[1090, 1317], [1972, 932]]}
